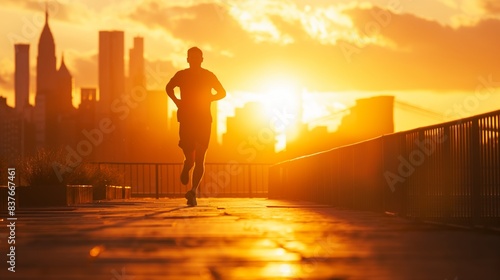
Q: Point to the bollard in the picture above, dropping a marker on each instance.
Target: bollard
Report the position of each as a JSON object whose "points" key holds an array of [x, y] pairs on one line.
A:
{"points": [[110, 192], [127, 192], [119, 192], [78, 194]]}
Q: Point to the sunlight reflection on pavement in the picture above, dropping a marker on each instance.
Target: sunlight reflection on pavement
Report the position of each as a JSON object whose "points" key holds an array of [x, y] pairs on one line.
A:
{"points": [[241, 239]]}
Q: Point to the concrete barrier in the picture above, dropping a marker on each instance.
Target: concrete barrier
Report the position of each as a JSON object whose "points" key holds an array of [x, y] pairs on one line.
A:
{"points": [[110, 192], [118, 192], [127, 192], [78, 194]]}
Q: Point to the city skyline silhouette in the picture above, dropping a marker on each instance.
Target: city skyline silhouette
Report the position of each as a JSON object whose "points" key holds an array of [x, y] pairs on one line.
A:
{"points": [[117, 124], [350, 64], [128, 106]]}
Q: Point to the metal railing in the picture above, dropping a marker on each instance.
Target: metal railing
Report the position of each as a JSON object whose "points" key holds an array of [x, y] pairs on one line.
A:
{"points": [[162, 179], [445, 173]]}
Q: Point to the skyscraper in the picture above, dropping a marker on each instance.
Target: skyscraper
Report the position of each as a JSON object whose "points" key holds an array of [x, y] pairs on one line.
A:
{"points": [[64, 90], [86, 110], [136, 64], [46, 60], [86, 116], [45, 80], [22, 76], [111, 90], [111, 69]]}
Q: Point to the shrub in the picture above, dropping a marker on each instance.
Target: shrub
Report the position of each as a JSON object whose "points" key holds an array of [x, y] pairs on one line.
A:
{"points": [[45, 188], [38, 170], [93, 175]]}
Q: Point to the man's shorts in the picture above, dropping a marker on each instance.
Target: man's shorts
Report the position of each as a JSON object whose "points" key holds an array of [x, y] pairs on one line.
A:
{"points": [[194, 135]]}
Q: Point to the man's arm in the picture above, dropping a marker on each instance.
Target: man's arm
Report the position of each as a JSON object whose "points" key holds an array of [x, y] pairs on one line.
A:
{"points": [[169, 88], [220, 91]]}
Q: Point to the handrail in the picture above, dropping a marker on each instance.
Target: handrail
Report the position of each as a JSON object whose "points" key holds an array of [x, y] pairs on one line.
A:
{"points": [[448, 172], [162, 179]]}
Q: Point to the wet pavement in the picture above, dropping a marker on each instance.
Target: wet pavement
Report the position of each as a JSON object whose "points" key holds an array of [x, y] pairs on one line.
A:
{"points": [[237, 238]]}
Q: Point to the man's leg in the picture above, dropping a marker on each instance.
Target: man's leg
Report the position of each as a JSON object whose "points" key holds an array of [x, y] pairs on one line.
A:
{"points": [[186, 143], [188, 164], [200, 149], [199, 168]]}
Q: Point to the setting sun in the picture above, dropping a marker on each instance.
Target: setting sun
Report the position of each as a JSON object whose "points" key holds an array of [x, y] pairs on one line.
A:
{"points": [[281, 94], [282, 99]]}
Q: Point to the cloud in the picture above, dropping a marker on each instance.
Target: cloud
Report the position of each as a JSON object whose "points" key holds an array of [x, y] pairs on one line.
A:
{"points": [[83, 68], [6, 82], [398, 51], [241, 60], [200, 24], [28, 4], [430, 55], [63, 10], [6, 76], [491, 6], [292, 29]]}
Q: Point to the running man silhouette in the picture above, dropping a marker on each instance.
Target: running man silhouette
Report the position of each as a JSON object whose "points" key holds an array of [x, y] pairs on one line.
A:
{"points": [[194, 116]]}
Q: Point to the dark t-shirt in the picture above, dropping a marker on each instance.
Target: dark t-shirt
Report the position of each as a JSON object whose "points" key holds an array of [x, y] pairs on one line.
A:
{"points": [[196, 94]]}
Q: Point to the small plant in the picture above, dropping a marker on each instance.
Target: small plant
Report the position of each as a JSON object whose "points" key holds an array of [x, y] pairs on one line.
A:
{"points": [[44, 187], [38, 170], [97, 176], [100, 177]]}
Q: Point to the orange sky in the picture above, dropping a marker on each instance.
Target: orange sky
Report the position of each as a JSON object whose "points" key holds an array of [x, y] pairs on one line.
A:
{"points": [[436, 47]]}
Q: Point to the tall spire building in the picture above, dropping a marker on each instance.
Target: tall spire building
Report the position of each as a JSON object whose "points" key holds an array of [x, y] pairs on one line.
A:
{"points": [[46, 61], [45, 75], [53, 105]]}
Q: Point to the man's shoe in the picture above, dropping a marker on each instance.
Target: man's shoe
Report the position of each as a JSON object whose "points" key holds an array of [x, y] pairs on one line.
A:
{"points": [[191, 198], [185, 175]]}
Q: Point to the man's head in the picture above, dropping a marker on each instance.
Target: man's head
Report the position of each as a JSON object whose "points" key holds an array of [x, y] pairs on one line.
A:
{"points": [[195, 57]]}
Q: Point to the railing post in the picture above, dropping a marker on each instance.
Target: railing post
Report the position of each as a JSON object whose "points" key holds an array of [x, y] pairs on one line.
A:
{"points": [[157, 181], [448, 173], [405, 192], [475, 166]]}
